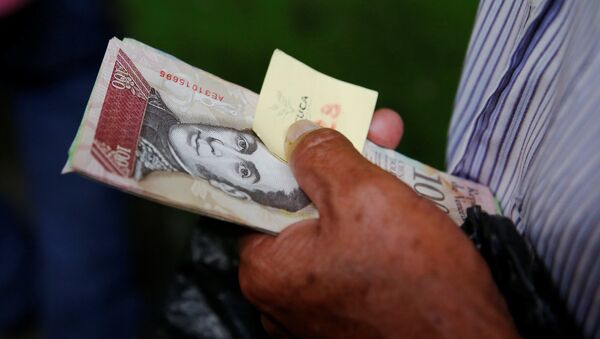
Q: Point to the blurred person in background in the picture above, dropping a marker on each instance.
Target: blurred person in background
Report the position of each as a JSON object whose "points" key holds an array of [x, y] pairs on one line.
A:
{"points": [[69, 270]]}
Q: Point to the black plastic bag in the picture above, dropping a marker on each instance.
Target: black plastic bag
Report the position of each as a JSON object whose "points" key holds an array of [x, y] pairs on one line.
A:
{"points": [[532, 298], [205, 301]]}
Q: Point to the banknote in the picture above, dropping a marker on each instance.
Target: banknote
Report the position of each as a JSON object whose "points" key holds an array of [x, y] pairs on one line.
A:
{"points": [[161, 129], [451, 194]]}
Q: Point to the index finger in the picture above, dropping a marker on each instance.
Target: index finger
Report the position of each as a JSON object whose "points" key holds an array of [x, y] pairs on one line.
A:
{"points": [[386, 128]]}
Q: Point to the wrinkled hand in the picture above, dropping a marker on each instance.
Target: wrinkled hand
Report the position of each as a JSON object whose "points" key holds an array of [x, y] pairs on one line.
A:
{"points": [[379, 262]]}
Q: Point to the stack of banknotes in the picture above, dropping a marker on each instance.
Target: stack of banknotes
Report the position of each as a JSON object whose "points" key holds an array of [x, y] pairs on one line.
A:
{"points": [[161, 129]]}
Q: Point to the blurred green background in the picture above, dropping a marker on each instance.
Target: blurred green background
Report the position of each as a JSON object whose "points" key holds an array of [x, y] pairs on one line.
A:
{"points": [[410, 51]]}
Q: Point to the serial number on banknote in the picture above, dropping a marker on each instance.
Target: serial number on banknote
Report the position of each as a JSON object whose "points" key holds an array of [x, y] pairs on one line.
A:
{"points": [[192, 86]]}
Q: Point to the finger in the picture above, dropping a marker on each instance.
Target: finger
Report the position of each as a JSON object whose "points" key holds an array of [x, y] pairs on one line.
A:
{"points": [[326, 166], [386, 128], [249, 242], [267, 263], [255, 244]]}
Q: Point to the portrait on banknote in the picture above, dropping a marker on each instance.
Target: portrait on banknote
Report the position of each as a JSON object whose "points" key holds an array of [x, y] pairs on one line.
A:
{"points": [[161, 129], [233, 161]]}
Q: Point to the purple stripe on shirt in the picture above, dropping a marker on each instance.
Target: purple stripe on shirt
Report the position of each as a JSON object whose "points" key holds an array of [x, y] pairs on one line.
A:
{"points": [[466, 107], [481, 146]]}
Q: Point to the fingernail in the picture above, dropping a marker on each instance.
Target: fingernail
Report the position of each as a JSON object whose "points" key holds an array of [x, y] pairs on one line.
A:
{"points": [[295, 133]]}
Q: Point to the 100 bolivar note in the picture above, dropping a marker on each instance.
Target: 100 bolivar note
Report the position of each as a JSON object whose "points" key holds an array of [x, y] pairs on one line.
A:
{"points": [[161, 129]]}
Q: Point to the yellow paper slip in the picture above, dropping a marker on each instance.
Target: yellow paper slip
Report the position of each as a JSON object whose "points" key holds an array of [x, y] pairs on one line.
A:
{"points": [[293, 91]]}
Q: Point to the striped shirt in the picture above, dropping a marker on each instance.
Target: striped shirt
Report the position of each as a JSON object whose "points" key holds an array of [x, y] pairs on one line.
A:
{"points": [[527, 124]]}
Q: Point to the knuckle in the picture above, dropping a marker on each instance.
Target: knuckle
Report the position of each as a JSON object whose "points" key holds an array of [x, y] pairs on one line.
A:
{"points": [[364, 183], [318, 145], [365, 191]]}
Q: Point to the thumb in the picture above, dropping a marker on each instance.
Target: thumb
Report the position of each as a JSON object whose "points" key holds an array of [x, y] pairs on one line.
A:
{"points": [[326, 165]]}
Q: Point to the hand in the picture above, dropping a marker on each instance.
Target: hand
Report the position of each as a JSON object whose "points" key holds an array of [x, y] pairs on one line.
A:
{"points": [[379, 262]]}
